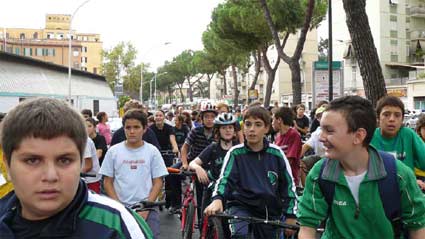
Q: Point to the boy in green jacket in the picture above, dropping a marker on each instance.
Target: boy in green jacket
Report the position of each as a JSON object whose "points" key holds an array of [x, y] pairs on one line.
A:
{"points": [[355, 168]]}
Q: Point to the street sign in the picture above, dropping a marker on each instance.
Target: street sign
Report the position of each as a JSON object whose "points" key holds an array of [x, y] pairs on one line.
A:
{"points": [[321, 81]]}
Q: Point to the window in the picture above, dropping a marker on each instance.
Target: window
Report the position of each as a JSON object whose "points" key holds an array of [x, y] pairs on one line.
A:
{"points": [[393, 34], [95, 70], [393, 18], [84, 68], [95, 107], [84, 49], [394, 42], [419, 102], [393, 8], [60, 36], [50, 35], [27, 51], [17, 51], [35, 35], [84, 59], [407, 19], [394, 58], [22, 36], [51, 52], [39, 52]]}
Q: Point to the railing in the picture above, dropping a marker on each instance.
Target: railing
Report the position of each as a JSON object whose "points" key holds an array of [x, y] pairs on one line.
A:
{"points": [[396, 81]]}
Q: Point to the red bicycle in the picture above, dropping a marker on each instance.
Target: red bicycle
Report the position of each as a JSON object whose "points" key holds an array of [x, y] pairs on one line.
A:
{"points": [[189, 205]]}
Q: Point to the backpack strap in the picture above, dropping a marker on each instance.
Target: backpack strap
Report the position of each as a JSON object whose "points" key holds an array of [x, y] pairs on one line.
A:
{"points": [[327, 187], [389, 191]]}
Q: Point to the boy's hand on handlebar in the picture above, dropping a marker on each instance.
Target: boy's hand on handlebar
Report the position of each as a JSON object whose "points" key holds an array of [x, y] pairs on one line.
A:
{"points": [[290, 221], [215, 207]]}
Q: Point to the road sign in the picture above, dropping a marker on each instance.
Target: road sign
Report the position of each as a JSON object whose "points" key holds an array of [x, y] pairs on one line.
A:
{"points": [[321, 81]]}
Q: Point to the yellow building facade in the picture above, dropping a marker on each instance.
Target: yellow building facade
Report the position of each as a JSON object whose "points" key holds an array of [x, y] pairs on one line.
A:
{"points": [[51, 44]]}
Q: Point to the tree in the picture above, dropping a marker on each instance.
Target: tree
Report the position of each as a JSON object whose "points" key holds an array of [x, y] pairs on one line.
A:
{"points": [[365, 50], [205, 63], [312, 16], [117, 61], [323, 49]]}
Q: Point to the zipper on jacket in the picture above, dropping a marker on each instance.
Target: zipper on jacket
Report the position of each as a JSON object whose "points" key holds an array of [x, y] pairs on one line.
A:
{"points": [[356, 214]]}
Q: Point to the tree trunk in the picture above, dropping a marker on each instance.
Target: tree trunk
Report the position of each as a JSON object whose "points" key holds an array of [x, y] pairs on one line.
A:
{"points": [[257, 60], [190, 90], [209, 78], [294, 60], [181, 92], [296, 82], [365, 50], [235, 83], [271, 73], [224, 83]]}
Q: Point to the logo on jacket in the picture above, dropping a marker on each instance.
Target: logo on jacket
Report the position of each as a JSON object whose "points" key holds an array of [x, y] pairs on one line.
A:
{"points": [[272, 177]]}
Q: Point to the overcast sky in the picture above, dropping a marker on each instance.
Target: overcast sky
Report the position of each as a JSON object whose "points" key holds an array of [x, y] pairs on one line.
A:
{"points": [[148, 24]]}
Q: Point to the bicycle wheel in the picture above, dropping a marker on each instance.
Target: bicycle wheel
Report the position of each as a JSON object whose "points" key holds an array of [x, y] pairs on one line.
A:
{"points": [[215, 229], [188, 221]]}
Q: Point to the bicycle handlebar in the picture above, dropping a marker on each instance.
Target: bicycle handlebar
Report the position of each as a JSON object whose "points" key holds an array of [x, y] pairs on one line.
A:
{"points": [[276, 223], [146, 205], [181, 172]]}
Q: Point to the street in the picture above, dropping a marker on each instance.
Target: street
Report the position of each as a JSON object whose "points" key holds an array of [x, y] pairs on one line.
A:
{"points": [[170, 226]]}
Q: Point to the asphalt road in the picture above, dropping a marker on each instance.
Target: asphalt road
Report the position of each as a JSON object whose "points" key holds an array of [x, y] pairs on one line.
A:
{"points": [[170, 226]]}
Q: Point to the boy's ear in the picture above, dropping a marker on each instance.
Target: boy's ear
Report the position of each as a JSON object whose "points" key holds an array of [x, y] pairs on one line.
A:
{"points": [[359, 136], [7, 166]]}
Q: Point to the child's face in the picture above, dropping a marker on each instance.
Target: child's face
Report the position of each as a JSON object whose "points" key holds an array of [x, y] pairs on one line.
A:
{"points": [[90, 128], [45, 174], [390, 120], [336, 139], [227, 132], [208, 119], [276, 123], [159, 117], [254, 130], [134, 130]]}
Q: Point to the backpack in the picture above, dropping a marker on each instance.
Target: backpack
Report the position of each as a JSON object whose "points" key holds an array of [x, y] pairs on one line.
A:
{"points": [[389, 191]]}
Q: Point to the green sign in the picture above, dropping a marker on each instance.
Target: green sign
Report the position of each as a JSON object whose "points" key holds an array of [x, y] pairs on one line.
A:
{"points": [[323, 65]]}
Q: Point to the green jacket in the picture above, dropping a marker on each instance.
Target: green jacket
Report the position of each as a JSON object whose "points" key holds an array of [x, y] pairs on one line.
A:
{"points": [[407, 145], [371, 221]]}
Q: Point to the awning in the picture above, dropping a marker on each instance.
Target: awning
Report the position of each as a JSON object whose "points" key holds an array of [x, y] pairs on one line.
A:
{"points": [[404, 66]]}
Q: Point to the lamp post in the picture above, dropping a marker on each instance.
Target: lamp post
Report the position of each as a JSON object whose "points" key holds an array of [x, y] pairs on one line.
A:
{"points": [[69, 48], [141, 70]]}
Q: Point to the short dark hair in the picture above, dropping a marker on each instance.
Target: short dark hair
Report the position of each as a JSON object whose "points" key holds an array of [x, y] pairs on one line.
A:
{"points": [[92, 121], [286, 114], [100, 116], [358, 113], [136, 114], [44, 118], [389, 101], [132, 104], [258, 112], [300, 106], [87, 112]]}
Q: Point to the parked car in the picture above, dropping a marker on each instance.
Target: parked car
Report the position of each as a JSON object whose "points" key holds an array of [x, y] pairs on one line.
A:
{"points": [[410, 121]]}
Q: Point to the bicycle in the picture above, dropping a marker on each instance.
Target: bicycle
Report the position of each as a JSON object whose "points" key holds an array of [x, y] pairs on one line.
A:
{"points": [[189, 207], [217, 232], [146, 205]]}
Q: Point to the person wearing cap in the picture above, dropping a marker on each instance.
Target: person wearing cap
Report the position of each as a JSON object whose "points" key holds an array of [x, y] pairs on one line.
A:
{"points": [[314, 143]]}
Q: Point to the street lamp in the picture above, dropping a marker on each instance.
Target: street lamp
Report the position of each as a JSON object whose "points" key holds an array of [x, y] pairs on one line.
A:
{"points": [[69, 48], [141, 70]]}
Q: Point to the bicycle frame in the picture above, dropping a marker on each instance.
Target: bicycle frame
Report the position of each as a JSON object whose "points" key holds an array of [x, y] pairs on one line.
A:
{"points": [[189, 196]]}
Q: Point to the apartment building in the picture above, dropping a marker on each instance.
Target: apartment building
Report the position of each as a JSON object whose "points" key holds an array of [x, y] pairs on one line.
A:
{"points": [[398, 29], [50, 44]]}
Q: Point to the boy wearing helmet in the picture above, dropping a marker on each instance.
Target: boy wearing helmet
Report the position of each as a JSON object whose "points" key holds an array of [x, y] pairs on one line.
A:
{"points": [[208, 164]]}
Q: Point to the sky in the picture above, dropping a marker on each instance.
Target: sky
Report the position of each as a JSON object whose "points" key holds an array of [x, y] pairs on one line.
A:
{"points": [[148, 24]]}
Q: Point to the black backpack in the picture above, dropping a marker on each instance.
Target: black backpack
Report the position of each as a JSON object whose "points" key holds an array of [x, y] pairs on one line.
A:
{"points": [[389, 191]]}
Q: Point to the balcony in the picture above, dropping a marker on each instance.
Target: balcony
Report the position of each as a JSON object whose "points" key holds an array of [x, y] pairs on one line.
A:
{"points": [[417, 11], [396, 81], [417, 35]]}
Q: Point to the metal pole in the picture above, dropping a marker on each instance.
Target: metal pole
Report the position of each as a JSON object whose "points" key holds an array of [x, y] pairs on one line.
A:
{"points": [[330, 70], [141, 83], [155, 93], [69, 48], [150, 91]]}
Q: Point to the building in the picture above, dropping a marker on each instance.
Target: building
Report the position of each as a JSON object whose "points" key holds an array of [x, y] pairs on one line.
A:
{"points": [[398, 29], [24, 77], [51, 44]]}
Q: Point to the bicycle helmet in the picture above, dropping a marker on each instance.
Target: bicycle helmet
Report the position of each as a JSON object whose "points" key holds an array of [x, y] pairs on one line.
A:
{"points": [[224, 119], [208, 107]]}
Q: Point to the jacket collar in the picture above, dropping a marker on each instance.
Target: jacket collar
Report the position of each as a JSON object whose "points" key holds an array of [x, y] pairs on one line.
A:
{"points": [[375, 171], [266, 144], [65, 222]]}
